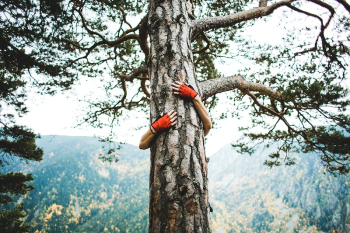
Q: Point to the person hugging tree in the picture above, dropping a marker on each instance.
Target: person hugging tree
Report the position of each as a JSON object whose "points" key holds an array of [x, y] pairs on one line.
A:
{"points": [[164, 122]]}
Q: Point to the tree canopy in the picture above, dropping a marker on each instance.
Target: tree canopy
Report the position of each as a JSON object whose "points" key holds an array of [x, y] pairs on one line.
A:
{"points": [[296, 90]]}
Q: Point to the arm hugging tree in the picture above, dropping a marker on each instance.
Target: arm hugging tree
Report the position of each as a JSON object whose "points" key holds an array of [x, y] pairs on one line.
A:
{"points": [[297, 91]]}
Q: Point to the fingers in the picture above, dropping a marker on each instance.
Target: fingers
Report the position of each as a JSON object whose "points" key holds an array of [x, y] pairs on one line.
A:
{"points": [[176, 91], [173, 119], [171, 112], [177, 83], [175, 86]]}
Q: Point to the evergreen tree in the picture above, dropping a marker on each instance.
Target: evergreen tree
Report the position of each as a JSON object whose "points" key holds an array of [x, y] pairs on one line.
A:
{"points": [[16, 142], [10, 221], [297, 92]]}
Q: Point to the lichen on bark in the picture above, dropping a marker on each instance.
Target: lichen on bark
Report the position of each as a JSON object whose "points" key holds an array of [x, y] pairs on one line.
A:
{"points": [[178, 177]]}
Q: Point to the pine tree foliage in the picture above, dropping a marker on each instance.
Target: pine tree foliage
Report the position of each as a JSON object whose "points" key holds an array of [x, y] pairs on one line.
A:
{"points": [[296, 91], [10, 220], [16, 141], [60, 41]]}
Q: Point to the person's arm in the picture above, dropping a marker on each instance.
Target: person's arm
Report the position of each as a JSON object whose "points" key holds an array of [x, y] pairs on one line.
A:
{"points": [[146, 139], [203, 114], [159, 125], [187, 92]]}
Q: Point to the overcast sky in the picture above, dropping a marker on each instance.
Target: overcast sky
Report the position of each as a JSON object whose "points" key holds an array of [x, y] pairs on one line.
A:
{"points": [[57, 115]]}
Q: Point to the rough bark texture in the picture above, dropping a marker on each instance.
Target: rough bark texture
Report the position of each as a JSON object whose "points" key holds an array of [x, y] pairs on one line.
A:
{"points": [[219, 85], [178, 177]]}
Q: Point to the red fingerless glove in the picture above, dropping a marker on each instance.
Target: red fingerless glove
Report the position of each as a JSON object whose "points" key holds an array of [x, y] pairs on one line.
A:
{"points": [[187, 91], [162, 123]]}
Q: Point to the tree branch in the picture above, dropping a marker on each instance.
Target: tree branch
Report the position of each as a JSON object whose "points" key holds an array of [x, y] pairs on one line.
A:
{"points": [[29, 60], [141, 70], [143, 31], [124, 16], [206, 24], [87, 28], [326, 47], [103, 39], [110, 43], [144, 88], [218, 85], [207, 40], [321, 31], [345, 4]]}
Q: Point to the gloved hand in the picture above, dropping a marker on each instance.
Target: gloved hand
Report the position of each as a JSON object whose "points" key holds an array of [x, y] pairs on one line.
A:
{"points": [[185, 91], [162, 123]]}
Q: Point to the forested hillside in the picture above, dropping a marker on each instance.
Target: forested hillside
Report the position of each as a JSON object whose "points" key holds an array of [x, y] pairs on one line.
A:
{"points": [[76, 192], [250, 197]]}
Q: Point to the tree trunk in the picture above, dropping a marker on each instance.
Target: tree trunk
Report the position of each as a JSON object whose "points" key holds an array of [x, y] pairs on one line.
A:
{"points": [[178, 176]]}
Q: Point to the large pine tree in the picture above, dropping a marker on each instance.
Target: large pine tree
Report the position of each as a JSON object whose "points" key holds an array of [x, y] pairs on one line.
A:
{"points": [[296, 92], [16, 143]]}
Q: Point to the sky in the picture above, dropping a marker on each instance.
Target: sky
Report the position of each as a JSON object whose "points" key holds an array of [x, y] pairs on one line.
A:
{"points": [[58, 115]]}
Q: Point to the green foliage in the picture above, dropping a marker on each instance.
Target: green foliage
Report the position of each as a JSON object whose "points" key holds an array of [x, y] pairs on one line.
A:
{"points": [[20, 142], [61, 41], [16, 143], [15, 184], [22, 24], [10, 220], [27, 43], [249, 197], [110, 157], [77, 192], [312, 108]]}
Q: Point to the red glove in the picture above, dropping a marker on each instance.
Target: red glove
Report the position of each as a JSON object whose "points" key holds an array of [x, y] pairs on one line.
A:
{"points": [[187, 91], [162, 123]]}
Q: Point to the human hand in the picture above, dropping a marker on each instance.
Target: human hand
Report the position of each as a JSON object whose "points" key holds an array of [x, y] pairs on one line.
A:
{"points": [[165, 122], [184, 90]]}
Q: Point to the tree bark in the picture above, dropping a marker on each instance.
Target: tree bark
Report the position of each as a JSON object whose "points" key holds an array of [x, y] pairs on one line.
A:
{"points": [[178, 175], [219, 85]]}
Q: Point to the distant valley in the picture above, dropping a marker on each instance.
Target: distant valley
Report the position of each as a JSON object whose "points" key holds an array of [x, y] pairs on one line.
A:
{"points": [[250, 197], [77, 192]]}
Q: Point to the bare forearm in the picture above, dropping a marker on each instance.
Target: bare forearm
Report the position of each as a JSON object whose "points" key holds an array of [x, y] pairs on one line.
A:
{"points": [[186, 91], [203, 114], [146, 140], [162, 123]]}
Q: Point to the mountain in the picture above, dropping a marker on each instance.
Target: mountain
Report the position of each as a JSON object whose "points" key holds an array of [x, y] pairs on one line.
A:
{"points": [[249, 197], [77, 192]]}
